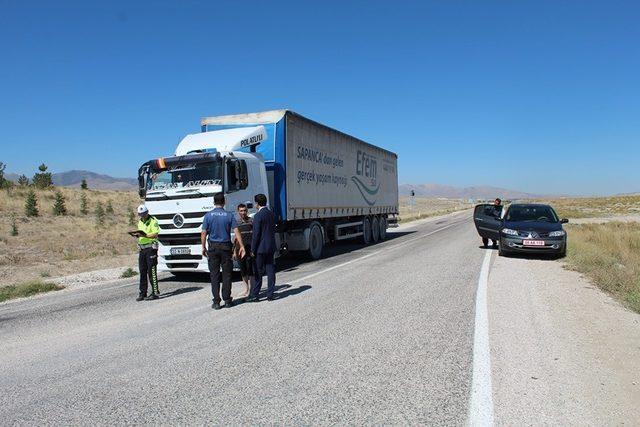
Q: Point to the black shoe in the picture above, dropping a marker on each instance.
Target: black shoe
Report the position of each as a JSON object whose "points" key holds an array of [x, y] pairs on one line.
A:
{"points": [[152, 297], [272, 297], [141, 297], [228, 304], [216, 306], [252, 299]]}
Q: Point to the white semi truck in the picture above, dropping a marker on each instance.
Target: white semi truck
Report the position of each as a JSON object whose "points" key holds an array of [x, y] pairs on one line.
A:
{"points": [[322, 184]]}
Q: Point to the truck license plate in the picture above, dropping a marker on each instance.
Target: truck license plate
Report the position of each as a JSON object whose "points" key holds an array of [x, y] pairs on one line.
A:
{"points": [[180, 251], [533, 242]]}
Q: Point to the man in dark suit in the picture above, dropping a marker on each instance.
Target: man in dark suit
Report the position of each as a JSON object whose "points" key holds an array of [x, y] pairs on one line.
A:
{"points": [[263, 246]]}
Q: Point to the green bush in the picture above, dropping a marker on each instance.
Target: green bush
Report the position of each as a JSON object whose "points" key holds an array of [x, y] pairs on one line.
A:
{"points": [[31, 204], [59, 207]]}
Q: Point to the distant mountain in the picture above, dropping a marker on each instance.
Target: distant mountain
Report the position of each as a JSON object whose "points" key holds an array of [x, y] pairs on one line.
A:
{"points": [[94, 180], [451, 192]]}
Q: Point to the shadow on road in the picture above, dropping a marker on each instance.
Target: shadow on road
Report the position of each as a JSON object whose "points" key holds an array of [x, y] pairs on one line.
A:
{"points": [[180, 291], [290, 291]]}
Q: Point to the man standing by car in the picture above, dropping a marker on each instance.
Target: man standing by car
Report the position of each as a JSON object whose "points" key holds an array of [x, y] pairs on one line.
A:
{"points": [[497, 211], [216, 231], [263, 245], [246, 263]]}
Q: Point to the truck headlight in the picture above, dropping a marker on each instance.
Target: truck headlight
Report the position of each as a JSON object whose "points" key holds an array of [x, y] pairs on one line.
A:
{"points": [[558, 233], [509, 232]]}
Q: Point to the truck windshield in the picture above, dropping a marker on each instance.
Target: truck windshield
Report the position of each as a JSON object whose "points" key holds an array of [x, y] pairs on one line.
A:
{"points": [[186, 176]]}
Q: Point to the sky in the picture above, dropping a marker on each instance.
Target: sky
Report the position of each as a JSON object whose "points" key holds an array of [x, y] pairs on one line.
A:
{"points": [[538, 96]]}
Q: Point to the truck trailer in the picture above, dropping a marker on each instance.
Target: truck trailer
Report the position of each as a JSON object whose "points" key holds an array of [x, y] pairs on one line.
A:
{"points": [[322, 184]]}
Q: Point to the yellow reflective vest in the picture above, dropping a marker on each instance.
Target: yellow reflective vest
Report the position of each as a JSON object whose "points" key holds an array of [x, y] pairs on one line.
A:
{"points": [[150, 226]]}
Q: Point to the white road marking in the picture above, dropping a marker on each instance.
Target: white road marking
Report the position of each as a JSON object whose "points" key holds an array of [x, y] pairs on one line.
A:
{"points": [[481, 406]]}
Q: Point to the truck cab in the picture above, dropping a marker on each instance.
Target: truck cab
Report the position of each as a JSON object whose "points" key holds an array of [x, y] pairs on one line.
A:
{"points": [[178, 190]]}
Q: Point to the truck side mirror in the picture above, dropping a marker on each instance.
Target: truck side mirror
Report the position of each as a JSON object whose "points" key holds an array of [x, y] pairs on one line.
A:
{"points": [[564, 221], [142, 184], [243, 175]]}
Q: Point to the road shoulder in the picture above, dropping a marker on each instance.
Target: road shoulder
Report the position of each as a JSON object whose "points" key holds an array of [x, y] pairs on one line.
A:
{"points": [[563, 352]]}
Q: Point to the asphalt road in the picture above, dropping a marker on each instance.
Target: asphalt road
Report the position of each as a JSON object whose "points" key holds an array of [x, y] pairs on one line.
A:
{"points": [[377, 335]]}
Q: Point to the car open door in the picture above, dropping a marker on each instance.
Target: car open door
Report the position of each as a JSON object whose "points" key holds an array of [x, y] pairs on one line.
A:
{"points": [[487, 220]]}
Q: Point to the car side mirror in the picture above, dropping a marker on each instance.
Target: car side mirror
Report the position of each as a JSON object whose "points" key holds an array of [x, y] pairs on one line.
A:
{"points": [[564, 221]]}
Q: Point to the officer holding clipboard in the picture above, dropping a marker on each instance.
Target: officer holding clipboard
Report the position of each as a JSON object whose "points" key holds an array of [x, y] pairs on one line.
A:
{"points": [[147, 234]]}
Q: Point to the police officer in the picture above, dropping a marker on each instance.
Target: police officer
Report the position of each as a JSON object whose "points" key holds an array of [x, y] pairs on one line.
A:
{"points": [[148, 256], [216, 231]]}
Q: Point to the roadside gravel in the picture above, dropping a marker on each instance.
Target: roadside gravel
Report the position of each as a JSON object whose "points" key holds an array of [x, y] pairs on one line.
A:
{"points": [[563, 352]]}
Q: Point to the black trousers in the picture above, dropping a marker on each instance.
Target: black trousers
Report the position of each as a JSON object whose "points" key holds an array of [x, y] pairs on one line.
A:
{"points": [[148, 266], [220, 256], [264, 264], [485, 241]]}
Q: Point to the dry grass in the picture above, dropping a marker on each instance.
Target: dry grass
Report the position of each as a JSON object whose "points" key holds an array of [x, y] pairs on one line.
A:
{"points": [[592, 207], [57, 245], [428, 207], [610, 255]]}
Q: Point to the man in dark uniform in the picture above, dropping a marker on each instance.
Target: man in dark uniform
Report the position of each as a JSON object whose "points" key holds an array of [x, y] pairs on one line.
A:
{"points": [[497, 211], [263, 247], [216, 230], [246, 262]]}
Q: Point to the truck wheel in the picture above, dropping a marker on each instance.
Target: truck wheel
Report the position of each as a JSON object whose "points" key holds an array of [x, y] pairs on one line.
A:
{"points": [[375, 230], [383, 228], [316, 241], [366, 231]]}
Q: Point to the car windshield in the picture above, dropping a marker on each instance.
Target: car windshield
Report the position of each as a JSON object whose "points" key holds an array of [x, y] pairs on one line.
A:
{"points": [[186, 176], [531, 213]]}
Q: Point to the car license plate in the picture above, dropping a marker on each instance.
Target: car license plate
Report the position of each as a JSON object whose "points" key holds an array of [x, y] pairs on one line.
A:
{"points": [[180, 251], [533, 242]]}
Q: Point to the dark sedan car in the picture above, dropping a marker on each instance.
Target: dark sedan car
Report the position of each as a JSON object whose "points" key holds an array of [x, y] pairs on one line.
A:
{"points": [[524, 228]]}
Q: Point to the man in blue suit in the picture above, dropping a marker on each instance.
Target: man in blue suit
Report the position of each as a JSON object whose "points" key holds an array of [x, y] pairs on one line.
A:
{"points": [[263, 246]]}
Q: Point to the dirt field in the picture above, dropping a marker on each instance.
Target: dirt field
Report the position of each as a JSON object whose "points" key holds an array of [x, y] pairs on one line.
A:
{"points": [[589, 207], [425, 207], [49, 246]]}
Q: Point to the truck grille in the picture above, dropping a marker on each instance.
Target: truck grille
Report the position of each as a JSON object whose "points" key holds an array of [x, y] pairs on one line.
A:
{"points": [[184, 214], [187, 225], [179, 239]]}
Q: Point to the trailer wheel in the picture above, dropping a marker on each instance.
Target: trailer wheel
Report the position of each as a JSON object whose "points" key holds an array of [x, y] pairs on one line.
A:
{"points": [[383, 228], [316, 241], [366, 231], [375, 229]]}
